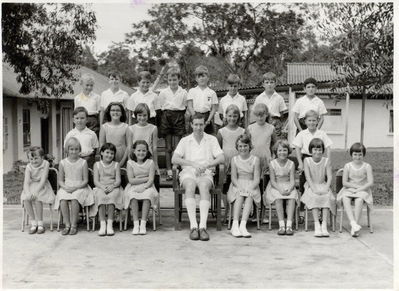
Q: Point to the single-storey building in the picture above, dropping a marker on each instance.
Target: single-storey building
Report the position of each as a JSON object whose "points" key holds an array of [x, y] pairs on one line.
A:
{"points": [[25, 125], [343, 120]]}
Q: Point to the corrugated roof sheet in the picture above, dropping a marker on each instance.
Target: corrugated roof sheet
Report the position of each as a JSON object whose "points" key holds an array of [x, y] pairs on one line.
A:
{"points": [[11, 86], [297, 73]]}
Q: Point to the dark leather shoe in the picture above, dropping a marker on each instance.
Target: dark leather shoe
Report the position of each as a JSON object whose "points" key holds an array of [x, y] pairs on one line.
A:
{"points": [[194, 235], [204, 236], [73, 231], [289, 231], [66, 230]]}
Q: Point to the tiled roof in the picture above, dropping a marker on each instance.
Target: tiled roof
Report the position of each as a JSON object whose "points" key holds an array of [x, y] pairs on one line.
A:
{"points": [[11, 86]]}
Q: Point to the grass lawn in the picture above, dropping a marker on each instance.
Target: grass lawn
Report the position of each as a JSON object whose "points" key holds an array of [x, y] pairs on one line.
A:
{"points": [[380, 160]]}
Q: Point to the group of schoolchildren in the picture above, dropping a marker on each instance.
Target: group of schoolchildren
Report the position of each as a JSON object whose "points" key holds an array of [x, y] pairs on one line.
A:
{"points": [[123, 131]]}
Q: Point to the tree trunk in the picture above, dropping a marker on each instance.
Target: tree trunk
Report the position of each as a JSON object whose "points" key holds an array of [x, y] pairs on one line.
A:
{"points": [[363, 109]]}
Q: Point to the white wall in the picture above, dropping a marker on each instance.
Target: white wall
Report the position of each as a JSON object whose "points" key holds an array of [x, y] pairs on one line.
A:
{"points": [[376, 124], [9, 153]]}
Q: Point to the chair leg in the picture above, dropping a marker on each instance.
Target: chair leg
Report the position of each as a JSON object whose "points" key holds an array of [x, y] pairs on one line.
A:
{"points": [[270, 216], [159, 211], [154, 220], [51, 217], [218, 211], [94, 223], [87, 218], [340, 219], [126, 218], [369, 221], [306, 219], [258, 209], [230, 214], [23, 219], [297, 217], [59, 219], [120, 220]]}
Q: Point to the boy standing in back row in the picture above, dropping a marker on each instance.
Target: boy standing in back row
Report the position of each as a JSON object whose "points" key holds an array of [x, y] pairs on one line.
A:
{"points": [[202, 99], [274, 102]]}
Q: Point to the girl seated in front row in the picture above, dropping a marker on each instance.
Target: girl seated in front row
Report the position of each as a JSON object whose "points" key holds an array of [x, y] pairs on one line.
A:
{"points": [[317, 194], [357, 180], [107, 179], [37, 189], [73, 179], [282, 186], [244, 187], [140, 172]]}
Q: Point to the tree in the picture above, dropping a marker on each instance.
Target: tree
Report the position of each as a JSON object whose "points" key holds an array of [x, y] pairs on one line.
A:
{"points": [[364, 36], [242, 37], [118, 59], [44, 44]]}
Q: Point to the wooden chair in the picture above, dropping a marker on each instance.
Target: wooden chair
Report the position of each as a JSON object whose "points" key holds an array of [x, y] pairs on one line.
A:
{"points": [[53, 179], [216, 193], [154, 212], [338, 187]]}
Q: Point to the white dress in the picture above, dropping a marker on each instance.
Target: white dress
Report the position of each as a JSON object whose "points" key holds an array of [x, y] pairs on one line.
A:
{"points": [[318, 176], [107, 176], [358, 177], [73, 173], [140, 171], [245, 173], [282, 174], [45, 194]]}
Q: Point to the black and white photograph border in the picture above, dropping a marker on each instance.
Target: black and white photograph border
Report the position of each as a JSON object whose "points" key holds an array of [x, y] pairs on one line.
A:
{"points": [[51, 51]]}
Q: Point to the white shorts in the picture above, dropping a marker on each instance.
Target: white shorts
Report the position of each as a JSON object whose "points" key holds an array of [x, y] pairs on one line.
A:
{"points": [[189, 173]]}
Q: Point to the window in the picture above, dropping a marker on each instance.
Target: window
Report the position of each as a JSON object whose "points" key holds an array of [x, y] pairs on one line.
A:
{"points": [[5, 133], [26, 127], [334, 112], [391, 121]]}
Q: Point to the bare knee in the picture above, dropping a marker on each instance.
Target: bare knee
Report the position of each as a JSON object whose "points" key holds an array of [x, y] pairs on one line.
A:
{"points": [[204, 187], [189, 186]]}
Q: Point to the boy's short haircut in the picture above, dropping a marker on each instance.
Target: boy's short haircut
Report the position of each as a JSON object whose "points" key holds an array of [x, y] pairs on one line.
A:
{"points": [[115, 75], [107, 112], [108, 146], [270, 76], [311, 113], [173, 71], [142, 108], [198, 115], [246, 139], [233, 79], [234, 108], [85, 78], [35, 149], [201, 70], [316, 143], [357, 147], [283, 143], [80, 109], [261, 108], [144, 75], [310, 81], [69, 142]]}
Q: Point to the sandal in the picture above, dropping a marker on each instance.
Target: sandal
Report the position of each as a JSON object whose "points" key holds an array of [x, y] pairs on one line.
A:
{"points": [[66, 230], [40, 229]]}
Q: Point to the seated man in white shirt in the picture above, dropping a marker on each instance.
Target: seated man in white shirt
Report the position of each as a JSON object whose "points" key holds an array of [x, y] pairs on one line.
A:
{"points": [[198, 154]]}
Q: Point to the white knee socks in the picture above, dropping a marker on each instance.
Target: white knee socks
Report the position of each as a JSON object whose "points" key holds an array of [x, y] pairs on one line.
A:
{"points": [[204, 209], [190, 205]]}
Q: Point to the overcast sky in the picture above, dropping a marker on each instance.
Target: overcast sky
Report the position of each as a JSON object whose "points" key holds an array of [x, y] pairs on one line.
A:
{"points": [[115, 19]]}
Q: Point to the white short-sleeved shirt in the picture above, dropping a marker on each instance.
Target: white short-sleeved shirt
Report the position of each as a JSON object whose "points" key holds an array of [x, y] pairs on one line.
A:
{"points": [[90, 102], [203, 99], [87, 138], [150, 98], [237, 99], [274, 103], [304, 104], [206, 151], [304, 137], [173, 101], [108, 96]]}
